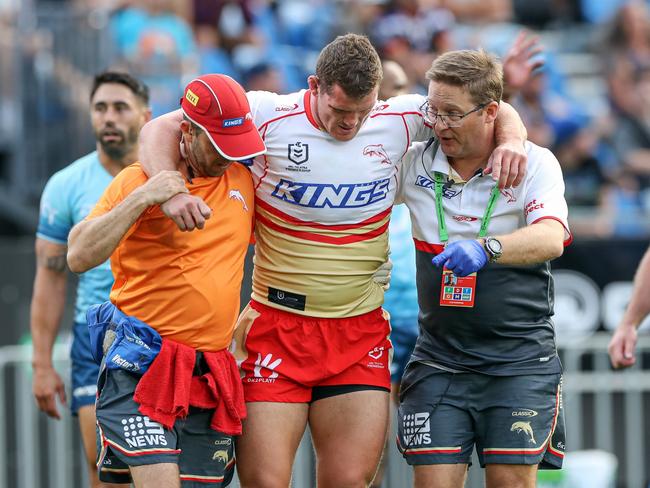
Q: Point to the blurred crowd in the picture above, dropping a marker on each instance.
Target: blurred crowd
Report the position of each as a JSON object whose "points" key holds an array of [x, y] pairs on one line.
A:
{"points": [[589, 101]]}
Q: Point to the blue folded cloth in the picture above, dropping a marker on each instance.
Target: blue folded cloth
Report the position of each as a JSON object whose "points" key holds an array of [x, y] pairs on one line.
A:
{"points": [[134, 346]]}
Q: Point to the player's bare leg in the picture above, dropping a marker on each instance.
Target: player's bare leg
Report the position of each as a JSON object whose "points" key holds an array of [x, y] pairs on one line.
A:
{"points": [[267, 448], [440, 476], [86, 417], [349, 433], [161, 475], [379, 477], [511, 475]]}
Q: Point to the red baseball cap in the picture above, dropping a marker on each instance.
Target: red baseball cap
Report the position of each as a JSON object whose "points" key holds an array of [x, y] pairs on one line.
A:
{"points": [[218, 105]]}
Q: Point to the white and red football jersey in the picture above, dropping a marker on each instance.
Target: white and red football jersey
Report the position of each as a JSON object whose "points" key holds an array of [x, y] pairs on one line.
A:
{"points": [[323, 206]]}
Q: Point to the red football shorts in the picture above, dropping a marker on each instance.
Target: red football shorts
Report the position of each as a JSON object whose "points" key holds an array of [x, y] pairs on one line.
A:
{"points": [[286, 356]]}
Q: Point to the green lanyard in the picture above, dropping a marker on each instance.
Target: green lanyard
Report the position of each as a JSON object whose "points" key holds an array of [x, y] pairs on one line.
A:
{"points": [[442, 227]]}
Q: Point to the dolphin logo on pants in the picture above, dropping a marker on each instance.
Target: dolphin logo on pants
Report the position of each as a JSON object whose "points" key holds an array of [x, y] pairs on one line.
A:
{"points": [[525, 428]]}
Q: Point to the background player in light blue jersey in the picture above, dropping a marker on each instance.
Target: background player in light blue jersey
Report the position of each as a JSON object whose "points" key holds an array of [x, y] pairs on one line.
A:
{"points": [[119, 107]]}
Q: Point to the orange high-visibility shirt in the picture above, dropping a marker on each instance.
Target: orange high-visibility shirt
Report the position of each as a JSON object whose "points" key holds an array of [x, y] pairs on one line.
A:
{"points": [[186, 285]]}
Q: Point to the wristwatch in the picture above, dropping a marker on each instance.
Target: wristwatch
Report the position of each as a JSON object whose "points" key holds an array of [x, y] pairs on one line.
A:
{"points": [[493, 248]]}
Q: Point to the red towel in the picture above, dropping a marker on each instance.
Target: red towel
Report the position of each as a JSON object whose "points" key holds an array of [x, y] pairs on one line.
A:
{"points": [[167, 390]]}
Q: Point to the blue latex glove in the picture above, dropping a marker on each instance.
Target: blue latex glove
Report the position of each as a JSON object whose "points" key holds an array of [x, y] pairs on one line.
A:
{"points": [[462, 257]]}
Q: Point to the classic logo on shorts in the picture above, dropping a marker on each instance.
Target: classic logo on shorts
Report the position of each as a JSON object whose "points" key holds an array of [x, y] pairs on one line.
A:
{"points": [[416, 428], [268, 364], [524, 427], [143, 432], [524, 412]]}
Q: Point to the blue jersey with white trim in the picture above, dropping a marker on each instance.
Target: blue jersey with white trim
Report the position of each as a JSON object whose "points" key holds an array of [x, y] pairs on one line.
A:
{"points": [[70, 195]]}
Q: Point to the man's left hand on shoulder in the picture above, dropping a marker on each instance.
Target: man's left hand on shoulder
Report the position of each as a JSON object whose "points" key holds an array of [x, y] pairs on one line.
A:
{"points": [[507, 164]]}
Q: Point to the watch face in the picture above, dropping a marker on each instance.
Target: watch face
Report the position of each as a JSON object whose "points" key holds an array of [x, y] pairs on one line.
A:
{"points": [[494, 245]]}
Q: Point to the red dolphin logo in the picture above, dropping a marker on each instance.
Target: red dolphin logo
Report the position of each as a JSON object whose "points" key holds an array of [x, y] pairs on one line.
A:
{"points": [[509, 194], [377, 151]]}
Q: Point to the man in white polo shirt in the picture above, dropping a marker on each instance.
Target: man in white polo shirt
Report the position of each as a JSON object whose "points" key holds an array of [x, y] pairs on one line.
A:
{"points": [[485, 369]]}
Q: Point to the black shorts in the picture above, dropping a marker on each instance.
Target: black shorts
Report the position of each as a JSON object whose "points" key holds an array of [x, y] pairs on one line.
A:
{"points": [[126, 438], [510, 419]]}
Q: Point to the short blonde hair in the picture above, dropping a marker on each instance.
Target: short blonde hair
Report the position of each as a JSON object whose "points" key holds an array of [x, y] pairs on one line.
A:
{"points": [[477, 71]]}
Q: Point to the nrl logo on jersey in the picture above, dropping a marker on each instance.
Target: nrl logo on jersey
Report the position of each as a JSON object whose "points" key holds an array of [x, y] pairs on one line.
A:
{"points": [[298, 153]]}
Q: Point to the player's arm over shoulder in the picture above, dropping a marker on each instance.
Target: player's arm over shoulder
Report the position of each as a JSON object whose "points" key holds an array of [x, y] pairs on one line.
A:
{"points": [[159, 147]]}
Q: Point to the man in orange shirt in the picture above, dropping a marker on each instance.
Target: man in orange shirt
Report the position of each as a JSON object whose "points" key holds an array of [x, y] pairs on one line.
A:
{"points": [[174, 423]]}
